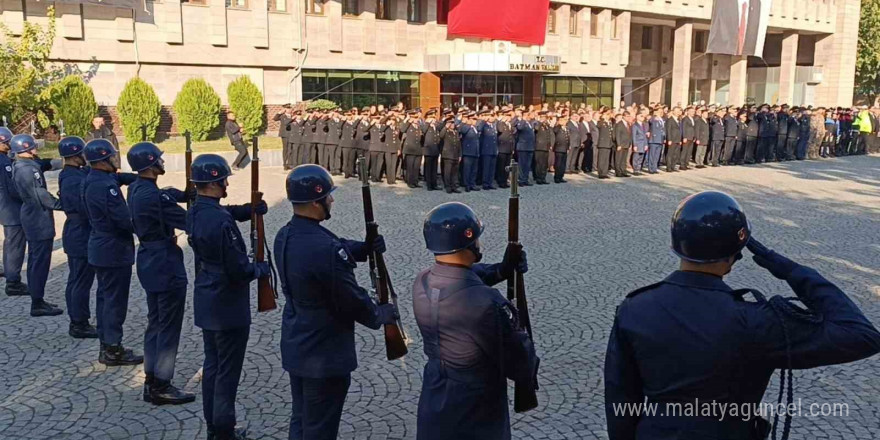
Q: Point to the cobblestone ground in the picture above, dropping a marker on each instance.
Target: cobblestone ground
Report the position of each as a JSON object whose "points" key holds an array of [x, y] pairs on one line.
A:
{"points": [[589, 242]]}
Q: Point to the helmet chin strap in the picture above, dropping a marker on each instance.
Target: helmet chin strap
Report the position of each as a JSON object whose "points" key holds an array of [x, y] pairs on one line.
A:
{"points": [[475, 249], [326, 207]]}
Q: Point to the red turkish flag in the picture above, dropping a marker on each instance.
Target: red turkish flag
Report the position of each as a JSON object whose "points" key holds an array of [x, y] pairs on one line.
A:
{"points": [[521, 21]]}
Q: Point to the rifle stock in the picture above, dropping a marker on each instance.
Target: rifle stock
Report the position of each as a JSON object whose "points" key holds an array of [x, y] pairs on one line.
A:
{"points": [[188, 159], [265, 292], [525, 397], [395, 338]]}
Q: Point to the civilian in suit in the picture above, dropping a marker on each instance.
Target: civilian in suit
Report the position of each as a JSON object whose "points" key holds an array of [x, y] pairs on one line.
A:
{"points": [[470, 151], [742, 138], [767, 130], [688, 135], [656, 140], [591, 161], [623, 143], [450, 155], [347, 142], [585, 150], [562, 135], [284, 118], [544, 140], [431, 148], [716, 128], [782, 123], [640, 131], [605, 145], [701, 138], [525, 145], [673, 140], [575, 142], [731, 127], [752, 138], [377, 148]]}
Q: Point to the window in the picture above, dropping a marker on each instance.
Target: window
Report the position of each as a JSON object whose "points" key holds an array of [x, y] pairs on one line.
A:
{"points": [[442, 11], [551, 20], [414, 11], [594, 23], [573, 20], [236, 4], [315, 7], [277, 5], [385, 9], [700, 41], [350, 88], [195, 2], [350, 8], [595, 92], [647, 37]]}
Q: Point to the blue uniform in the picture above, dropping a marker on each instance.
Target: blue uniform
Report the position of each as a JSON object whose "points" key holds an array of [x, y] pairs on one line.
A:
{"points": [[161, 271], [472, 345], [110, 251], [14, 243], [470, 154], [221, 303], [317, 333], [75, 239], [525, 148], [37, 220], [693, 337], [488, 150], [656, 142]]}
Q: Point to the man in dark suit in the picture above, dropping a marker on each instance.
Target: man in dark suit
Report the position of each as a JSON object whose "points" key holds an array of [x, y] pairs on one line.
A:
{"points": [[575, 142], [688, 133], [604, 145], [347, 142], [716, 129], [450, 155], [623, 143], [585, 150], [731, 126], [233, 132], [543, 142], [431, 148], [284, 118], [525, 145], [413, 130], [673, 140], [701, 137], [330, 154], [506, 146], [781, 132], [591, 162], [562, 134]]}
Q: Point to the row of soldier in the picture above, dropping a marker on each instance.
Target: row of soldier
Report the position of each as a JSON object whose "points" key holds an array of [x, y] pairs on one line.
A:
{"points": [[472, 148], [471, 336]]}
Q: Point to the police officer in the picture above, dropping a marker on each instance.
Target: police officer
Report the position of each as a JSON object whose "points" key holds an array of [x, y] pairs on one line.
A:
{"points": [[221, 293], [450, 155], [562, 134], [544, 141], [156, 214], [506, 147], [323, 304], [110, 250], [470, 151], [525, 145], [471, 335], [692, 339], [488, 129], [413, 129], [14, 243], [347, 143], [431, 149], [37, 219]]}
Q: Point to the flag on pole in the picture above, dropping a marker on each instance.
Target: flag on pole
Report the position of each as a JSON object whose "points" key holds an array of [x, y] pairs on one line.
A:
{"points": [[521, 21], [739, 27]]}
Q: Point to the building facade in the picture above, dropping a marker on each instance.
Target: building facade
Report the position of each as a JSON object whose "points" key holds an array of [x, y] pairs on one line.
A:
{"points": [[361, 52]]}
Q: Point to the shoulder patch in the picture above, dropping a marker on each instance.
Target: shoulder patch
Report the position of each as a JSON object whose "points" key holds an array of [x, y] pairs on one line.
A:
{"points": [[342, 254], [166, 197], [8, 168], [37, 175], [641, 290], [113, 192]]}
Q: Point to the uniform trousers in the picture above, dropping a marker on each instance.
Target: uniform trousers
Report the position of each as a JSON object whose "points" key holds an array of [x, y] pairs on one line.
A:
{"points": [[413, 163], [80, 277], [317, 406], [14, 245], [39, 258], [162, 337], [654, 151], [221, 371], [111, 304], [450, 174], [751, 149], [379, 161], [469, 171], [780, 148], [766, 149], [603, 160], [524, 158], [330, 157], [561, 161], [542, 163], [673, 154], [595, 157], [431, 171], [801, 152], [285, 153], [729, 148], [740, 151], [717, 145], [487, 162], [501, 172]]}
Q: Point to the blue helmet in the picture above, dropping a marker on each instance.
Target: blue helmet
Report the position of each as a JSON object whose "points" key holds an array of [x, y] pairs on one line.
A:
{"points": [[22, 143], [143, 155], [309, 183], [99, 149], [209, 168], [451, 227], [709, 226], [71, 146], [5, 135]]}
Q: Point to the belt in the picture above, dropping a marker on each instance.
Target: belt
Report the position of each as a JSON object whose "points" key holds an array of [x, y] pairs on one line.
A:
{"points": [[159, 244], [466, 375]]}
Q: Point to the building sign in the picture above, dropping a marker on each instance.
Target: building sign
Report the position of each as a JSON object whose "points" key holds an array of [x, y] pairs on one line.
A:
{"points": [[536, 63]]}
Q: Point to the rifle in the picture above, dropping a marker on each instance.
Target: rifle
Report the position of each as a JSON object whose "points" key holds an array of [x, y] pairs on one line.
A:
{"points": [[395, 337], [524, 396], [259, 246], [188, 160]]}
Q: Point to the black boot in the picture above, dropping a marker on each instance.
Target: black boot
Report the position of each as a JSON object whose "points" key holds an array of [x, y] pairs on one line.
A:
{"points": [[42, 308], [117, 356], [148, 388], [236, 434], [163, 393], [16, 288], [101, 357], [82, 330]]}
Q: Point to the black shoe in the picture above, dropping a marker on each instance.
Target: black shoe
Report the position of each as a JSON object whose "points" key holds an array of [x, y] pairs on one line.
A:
{"points": [[604, 176], [163, 393], [16, 288], [148, 386], [117, 356], [411, 186], [701, 166], [637, 173], [42, 308], [562, 181], [101, 356], [624, 175], [525, 184], [685, 168], [455, 191], [431, 188], [504, 186], [476, 188], [238, 434], [82, 330]]}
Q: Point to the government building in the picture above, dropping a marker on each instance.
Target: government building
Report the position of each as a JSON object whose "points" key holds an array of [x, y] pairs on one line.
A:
{"points": [[362, 52]]}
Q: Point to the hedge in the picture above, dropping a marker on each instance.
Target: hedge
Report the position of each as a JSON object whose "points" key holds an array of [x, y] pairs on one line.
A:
{"points": [[138, 106], [197, 107], [246, 101], [73, 101]]}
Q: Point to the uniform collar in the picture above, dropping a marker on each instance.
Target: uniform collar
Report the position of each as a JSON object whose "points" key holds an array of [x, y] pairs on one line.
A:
{"points": [[212, 201], [697, 280], [450, 271]]}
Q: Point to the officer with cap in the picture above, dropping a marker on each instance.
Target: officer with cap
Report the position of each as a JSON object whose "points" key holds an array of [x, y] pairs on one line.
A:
{"points": [[692, 339], [37, 219], [110, 250], [156, 214], [221, 294], [470, 151], [323, 304], [75, 235], [471, 336], [14, 243]]}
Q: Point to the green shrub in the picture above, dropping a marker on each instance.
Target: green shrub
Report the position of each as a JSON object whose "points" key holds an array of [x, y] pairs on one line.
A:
{"points": [[197, 107], [321, 104], [138, 106], [73, 102], [246, 101]]}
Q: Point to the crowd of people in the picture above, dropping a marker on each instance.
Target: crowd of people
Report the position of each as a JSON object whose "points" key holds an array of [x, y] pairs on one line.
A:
{"points": [[471, 148]]}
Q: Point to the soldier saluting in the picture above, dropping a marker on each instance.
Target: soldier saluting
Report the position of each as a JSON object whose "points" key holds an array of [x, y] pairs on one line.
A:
{"points": [[691, 338], [470, 331], [324, 302]]}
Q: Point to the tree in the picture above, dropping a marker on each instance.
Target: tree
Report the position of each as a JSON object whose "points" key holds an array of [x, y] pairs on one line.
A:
{"points": [[138, 106], [197, 107], [73, 102], [321, 104], [868, 56], [246, 101]]}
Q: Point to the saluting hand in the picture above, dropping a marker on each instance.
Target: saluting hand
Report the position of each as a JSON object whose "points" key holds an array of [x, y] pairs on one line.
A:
{"points": [[778, 265]]}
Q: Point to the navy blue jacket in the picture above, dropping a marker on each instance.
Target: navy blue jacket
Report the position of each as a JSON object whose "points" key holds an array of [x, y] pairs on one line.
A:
{"points": [[75, 235], [473, 345], [156, 214], [525, 135], [470, 140], [221, 290], [111, 243], [691, 337], [37, 204], [488, 138], [10, 202], [323, 299]]}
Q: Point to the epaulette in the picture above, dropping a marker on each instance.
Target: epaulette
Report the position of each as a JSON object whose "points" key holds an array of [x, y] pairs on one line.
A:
{"points": [[643, 289]]}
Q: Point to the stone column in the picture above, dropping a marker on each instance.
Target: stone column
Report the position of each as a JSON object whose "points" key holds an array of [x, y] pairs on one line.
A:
{"points": [[836, 54], [788, 67], [738, 74], [655, 90], [618, 91], [681, 63]]}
